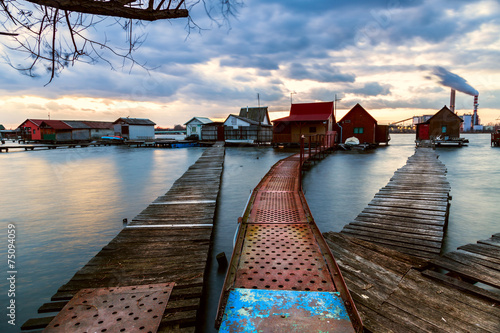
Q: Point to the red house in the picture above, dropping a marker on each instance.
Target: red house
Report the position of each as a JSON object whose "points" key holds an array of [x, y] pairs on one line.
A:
{"points": [[305, 119], [30, 129], [360, 124]]}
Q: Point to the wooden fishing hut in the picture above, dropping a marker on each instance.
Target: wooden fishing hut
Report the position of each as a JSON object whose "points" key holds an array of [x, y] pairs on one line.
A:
{"points": [[444, 125], [194, 126], [252, 125], [306, 119], [134, 128], [30, 129], [360, 124]]}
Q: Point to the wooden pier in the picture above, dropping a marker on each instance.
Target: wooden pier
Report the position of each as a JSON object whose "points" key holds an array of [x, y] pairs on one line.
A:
{"points": [[282, 277], [389, 257], [410, 213], [168, 243], [400, 293], [6, 148]]}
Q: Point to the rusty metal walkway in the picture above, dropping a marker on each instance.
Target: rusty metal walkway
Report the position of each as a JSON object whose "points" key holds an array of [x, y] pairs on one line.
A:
{"points": [[282, 275]]}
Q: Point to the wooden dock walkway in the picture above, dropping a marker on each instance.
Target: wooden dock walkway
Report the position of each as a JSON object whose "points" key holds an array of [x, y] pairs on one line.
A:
{"points": [[410, 213], [400, 293], [168, 242], [282, 277]]}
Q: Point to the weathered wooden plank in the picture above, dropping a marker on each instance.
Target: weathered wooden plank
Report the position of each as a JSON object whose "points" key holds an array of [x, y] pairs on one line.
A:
{"points": [[412, 296], [375, 320], [486, 250], [396, 211], [463, 286], [492, 241], [418, 230], [398, 232], [52, 307], [488, 263], [491, 260], [402, 246], [36, 323], [382, 217], [416, 197], [468, 270], [392, 236], [407, 204]]}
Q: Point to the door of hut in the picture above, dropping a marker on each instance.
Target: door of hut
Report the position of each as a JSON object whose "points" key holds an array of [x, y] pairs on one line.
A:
{"points": [[423, 132], [220, 133]]}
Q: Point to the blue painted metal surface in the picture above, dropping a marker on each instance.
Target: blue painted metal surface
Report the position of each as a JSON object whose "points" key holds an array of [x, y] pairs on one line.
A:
{"points": [[257, 310]]}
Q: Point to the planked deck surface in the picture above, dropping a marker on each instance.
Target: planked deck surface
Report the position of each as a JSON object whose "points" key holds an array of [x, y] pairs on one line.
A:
{"points": [[410, 213], [169, 241], [396, 292], [471, 263]]}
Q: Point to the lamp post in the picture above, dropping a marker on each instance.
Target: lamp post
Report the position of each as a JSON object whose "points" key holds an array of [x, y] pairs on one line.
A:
{"points": [[291, 101]]}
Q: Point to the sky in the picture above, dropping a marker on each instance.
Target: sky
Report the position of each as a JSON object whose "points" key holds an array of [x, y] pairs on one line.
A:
{"points": [[387, 55]]}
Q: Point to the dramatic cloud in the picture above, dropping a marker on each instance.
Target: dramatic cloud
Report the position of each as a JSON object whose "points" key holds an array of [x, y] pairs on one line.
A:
{"points": [[367, 51]]}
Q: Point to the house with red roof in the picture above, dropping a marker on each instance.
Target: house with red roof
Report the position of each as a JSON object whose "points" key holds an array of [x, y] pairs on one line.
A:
{"points": [[64, 130], [30, 129], [360, 124], [307, 119]]}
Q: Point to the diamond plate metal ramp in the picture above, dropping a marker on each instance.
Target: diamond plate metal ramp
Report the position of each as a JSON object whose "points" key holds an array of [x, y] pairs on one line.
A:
{"points": [[113, 309]]}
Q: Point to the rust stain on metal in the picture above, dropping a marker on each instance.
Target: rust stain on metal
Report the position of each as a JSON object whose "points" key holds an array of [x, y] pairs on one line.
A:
{"points": [[114, 309], [282, 257]]}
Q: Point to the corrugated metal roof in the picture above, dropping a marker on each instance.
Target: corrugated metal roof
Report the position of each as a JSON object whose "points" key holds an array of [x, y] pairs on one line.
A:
{"points": [[75, 124], [320, 111], [135, 121], [99, 124], [55, 124]]}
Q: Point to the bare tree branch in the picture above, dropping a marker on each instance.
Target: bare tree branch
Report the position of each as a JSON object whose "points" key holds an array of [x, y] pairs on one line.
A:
{"points": [[113, 8], [57, 33]]}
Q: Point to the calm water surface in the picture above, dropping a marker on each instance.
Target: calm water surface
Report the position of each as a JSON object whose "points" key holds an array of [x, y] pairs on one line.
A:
{"points": [[67, 204]]}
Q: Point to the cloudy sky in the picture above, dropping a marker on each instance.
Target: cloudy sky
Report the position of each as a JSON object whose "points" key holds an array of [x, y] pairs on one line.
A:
{"points": [[384, 54]]}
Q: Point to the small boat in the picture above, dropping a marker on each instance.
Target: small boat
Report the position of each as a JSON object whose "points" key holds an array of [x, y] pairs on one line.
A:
{"points": [[111, 137], [352, 141], [184, 144]]}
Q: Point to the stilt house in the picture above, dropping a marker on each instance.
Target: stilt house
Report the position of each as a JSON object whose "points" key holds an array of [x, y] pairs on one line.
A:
{"points": [[252, 125], [444, 125], [306, 119], [195, 126], [135, 128], [360, 124]]}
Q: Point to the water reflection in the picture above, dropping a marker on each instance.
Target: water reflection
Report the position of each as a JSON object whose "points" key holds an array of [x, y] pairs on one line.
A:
{"points": [[68, 204]]}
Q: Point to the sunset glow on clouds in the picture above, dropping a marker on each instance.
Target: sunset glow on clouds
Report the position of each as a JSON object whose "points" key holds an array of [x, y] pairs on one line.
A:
{"points": [[377, 53]]}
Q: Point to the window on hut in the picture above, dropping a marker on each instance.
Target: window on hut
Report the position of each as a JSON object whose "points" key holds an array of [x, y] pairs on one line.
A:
{"points": [[358, 130], [443, 129], [312, 129]]}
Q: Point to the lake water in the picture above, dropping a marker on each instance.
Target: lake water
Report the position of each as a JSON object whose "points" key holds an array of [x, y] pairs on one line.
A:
{"points": [[67, 204]]}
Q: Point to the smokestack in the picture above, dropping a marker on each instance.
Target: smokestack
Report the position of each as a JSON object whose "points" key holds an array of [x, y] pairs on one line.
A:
{"points": [[475, 117], [452, 100]]}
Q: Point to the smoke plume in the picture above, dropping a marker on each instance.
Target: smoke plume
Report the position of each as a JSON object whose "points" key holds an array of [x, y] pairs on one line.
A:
{"points": [[449, 79]]}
